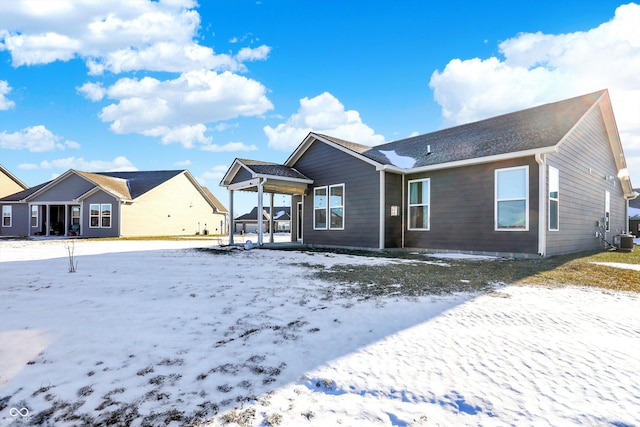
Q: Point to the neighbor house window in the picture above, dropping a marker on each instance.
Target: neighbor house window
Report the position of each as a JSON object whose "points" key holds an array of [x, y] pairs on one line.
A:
{"points": [[105, 215], [512, 199], [320, 208], [100, 215], [554, 199], [607, 211], [336, 206], [75, 215], [7, 213], [419, 205], [34, 216]]}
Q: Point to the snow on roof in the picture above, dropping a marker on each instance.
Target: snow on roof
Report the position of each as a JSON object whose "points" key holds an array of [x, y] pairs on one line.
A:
{"points": [[398, 160]]}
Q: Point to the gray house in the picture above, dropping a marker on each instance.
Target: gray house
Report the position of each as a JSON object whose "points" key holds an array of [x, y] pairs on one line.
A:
{"points": [[281, 218], [114, 204], [544, 181]]}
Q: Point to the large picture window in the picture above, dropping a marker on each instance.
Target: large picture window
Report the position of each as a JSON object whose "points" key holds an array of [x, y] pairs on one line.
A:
{"points": [[512, 199], [419, 204], [100, 215], [7, 216], [554, 199]]}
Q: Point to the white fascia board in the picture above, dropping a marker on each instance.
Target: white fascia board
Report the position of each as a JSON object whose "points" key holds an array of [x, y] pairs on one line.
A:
{"points": [[283, 178], [244, 184], [470, 162]]}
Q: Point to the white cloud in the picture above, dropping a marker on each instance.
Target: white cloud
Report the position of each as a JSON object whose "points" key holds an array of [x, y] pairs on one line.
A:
{"points": [[5, 103], [35, 139], [92, 91], [230, 147], [115, 36], [185, 134], [322, 114], [118, 164], [176, 109], [183, 163], [540, 68], [216, 172]]}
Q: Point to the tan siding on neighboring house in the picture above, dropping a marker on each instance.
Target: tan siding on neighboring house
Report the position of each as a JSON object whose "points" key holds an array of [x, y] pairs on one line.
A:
{"points": [[175, 207], [8, 186]]}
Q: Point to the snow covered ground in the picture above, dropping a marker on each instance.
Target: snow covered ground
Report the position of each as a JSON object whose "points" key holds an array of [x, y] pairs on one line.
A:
{"points": [[157, 333]]}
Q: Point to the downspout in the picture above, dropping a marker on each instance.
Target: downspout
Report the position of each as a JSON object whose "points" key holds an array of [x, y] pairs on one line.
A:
{"points": [[261, 183], [232, 221], [402, 213], [542, 208], [382, 211]]}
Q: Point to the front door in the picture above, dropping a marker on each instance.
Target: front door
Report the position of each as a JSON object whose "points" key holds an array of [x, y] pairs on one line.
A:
{"points": [[299, 222]]}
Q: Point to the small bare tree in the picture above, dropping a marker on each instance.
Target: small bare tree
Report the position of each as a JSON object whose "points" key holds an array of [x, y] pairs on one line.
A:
{"points": [[73, 264]]}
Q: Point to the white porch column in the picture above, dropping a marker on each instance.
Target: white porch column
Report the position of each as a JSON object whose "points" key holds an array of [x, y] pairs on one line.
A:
{"points": [[382, 210], [66, 220], [232, 223], [271, 217], [260, 209], [47, 222]]}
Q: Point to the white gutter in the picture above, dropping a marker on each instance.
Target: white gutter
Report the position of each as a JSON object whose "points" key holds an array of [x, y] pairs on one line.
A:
{"points": [[382, 210], [473, 161], [542, 208]]}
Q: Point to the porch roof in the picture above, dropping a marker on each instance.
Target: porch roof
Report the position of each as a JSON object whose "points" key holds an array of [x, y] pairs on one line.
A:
{"points": [[275, 178]]}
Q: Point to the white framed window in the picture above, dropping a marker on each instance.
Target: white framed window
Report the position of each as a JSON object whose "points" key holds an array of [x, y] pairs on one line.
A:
{"points": [[100, 215], [7, 216], [336, 207], [105, 215], [512, 199], [320, 208], [607, 211], [75, 215], [419, 204], [554, 199], [35, 211]]}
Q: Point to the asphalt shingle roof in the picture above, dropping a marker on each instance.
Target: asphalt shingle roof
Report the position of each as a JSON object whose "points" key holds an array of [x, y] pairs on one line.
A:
{"points": [[274, 169], [533, 128]]}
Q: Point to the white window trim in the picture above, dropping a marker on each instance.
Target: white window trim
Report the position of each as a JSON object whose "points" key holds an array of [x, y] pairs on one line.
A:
{"points": [[496, 200], [37, 217], [110, 216], [410, 205], [100, 215], [554, 199], [326, 189], [10, 215], [329, 206]]}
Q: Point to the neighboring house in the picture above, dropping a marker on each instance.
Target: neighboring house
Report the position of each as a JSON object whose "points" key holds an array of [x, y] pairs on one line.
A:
{"points": [[248, 223], [9, 183], [543, 181], [634, 215], [114, 204]]}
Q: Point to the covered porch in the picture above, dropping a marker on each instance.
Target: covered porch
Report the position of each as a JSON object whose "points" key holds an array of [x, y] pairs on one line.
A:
{"points": [[54, 219], [263, 178]]}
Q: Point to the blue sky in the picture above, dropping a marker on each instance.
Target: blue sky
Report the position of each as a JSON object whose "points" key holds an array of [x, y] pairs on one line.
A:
{"points": [[149, 85]]}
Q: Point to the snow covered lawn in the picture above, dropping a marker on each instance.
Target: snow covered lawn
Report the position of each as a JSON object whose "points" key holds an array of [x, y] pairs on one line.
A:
{"points": [[158, 333]]}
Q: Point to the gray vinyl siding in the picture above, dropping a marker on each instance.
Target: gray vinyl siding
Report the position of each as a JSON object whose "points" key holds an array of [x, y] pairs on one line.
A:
{"points": [[393, 224], [328, 166], [241, 176], [19, 220], [64, 191], [462, 211], [583, 160], [100, 197]]}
